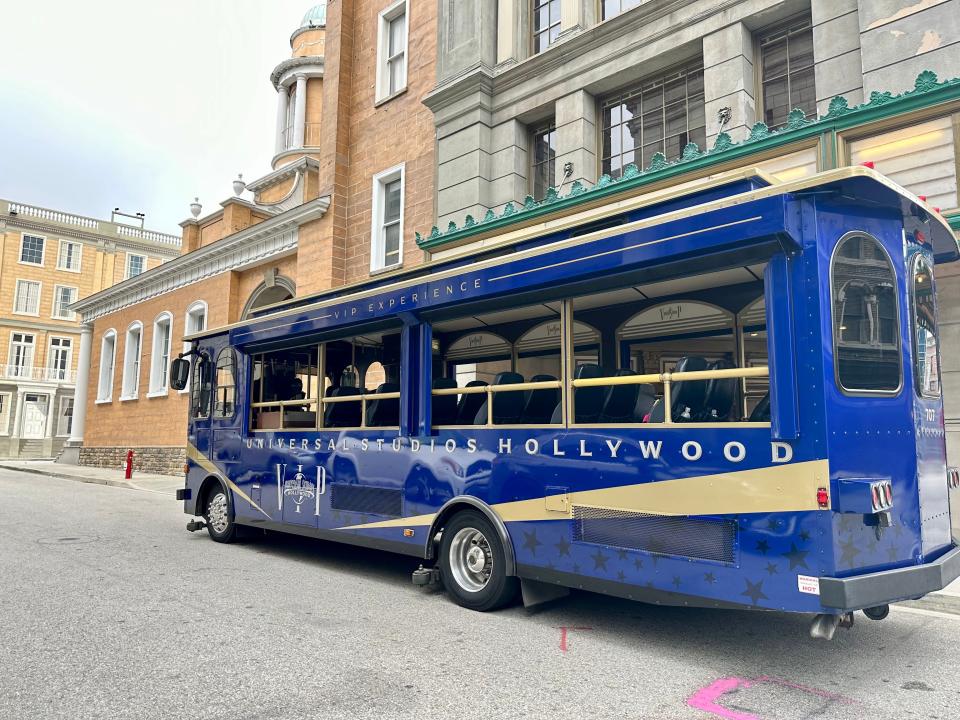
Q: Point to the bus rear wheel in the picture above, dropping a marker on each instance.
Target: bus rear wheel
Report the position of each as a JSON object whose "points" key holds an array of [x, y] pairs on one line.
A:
{"points": [[473, 563], [217, 514]]}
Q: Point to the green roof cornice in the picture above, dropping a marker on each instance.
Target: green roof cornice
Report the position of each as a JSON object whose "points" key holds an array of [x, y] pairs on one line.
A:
{"points": [[927, 91]]}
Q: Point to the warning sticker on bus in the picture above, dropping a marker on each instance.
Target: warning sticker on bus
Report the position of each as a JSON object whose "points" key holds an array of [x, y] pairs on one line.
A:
{"points": [[808, 584]]}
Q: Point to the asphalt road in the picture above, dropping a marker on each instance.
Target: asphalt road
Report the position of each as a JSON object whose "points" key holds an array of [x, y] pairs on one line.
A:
{"points": [[110, 609]]}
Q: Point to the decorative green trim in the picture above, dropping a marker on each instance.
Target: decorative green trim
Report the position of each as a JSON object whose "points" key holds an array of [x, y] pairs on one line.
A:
{"points": [[927, 91], [954, 221]]}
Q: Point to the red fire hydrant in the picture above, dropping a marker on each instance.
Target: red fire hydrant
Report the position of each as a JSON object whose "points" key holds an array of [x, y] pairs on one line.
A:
{"points": [[128, 468]]}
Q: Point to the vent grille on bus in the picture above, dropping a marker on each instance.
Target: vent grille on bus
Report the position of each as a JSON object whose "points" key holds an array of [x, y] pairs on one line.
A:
{"points": [[701, 538], [366, 500]]}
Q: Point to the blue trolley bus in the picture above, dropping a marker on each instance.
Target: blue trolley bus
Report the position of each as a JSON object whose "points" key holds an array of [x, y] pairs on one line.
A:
{"points": [[726, 396]]}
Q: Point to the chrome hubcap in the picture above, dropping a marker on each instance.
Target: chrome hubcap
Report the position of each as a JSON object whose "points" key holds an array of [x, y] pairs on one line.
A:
{"points": [[471, 559], [217, 513]]}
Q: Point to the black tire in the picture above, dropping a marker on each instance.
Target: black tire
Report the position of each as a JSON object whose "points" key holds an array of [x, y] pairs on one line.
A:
{"points": [[468, 532], [219, 519]]}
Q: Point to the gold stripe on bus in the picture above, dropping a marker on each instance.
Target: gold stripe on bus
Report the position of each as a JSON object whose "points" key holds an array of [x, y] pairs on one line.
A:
{"points": [[778, 488], [203, 461]]}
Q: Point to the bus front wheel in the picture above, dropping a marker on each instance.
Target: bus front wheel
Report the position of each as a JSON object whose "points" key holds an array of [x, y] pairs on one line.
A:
{"points": [[473, 563], [217, 514]]}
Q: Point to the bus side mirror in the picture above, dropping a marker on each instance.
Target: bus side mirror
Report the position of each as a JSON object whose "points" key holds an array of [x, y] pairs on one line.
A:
{"points": [[179, 373]]}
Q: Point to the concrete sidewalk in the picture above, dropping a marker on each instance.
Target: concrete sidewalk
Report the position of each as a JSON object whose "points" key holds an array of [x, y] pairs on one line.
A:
{"points": [[150, 482]]}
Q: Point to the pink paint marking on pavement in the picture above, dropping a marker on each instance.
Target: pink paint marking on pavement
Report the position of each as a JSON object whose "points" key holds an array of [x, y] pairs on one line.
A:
{"points": [[563, 635], [706, 699]]}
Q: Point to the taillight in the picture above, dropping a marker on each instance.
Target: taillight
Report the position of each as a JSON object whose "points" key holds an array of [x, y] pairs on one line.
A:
{"points": [[953, 478], [881, 494], [823, 498]]}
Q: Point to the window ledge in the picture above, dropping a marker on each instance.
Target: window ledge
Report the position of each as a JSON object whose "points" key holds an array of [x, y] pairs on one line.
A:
{"points": [[128, 398], [103, 401], [386, 269], [28, 314], [158, 393], [387, 98], [77, 271]]}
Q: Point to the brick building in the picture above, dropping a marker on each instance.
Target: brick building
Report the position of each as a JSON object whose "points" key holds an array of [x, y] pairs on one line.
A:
{"points": [[352, 177], [48, 260]]}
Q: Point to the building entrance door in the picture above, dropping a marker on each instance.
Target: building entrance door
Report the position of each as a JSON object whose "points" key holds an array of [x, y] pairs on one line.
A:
{"points": [[34, 416]]}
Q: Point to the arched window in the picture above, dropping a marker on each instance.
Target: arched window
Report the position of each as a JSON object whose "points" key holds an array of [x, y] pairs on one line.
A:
{"points": [[108, 355], [281, 289], [866, 327], [133, 343], [226, 384], [374, 376], [926, 358], [160, 353]]}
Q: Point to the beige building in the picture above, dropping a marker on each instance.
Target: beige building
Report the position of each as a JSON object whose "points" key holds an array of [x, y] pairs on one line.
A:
{"points": [[48, 261], [352, 178]]}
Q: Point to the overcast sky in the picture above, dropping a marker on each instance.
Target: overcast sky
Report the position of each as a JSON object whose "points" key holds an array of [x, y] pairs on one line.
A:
{"points": [[136, 104]]}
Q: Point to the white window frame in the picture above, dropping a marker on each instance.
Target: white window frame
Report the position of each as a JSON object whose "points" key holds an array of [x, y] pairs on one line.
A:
{"points": [[60, 415], [79, 256], [130, 379], [126, 265], [160, 356], [51, 370], [16, 294], [56, 293], [377, 239], [5, 399], [43, 253], [27, 367], [386, 16], [107, 373], [190, 327]]}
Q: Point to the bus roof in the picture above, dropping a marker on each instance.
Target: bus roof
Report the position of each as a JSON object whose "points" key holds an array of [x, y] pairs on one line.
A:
{"points": [[743, 187]]}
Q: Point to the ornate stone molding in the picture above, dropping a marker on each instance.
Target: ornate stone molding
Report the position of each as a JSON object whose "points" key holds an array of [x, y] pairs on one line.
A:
{"points": [[310, 65], [270, 238]]}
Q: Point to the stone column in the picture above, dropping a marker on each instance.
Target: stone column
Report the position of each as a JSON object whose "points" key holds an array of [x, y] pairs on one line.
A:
{"points": [[836, 52], [83, 382], [300, 111], [509, 163], [509, 32], [576, 119], [576, 15], [283, 98], [728, 81]]}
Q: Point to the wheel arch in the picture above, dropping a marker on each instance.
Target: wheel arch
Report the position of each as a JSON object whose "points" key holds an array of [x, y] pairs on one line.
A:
{"points": [[468, 502], [209, 483]]}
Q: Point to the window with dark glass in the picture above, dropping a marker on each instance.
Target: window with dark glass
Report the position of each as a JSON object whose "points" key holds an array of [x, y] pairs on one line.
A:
{"points": [[226, 384], [865, 328], [660, 115], [786, 69], [546, 23], [612, 8], [925, 342], [544, 159], [200, 401]]}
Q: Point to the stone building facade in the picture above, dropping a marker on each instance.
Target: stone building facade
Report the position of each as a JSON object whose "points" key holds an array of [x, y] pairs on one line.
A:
{"points": [[352, 178], [620, 97], [49, 259]]}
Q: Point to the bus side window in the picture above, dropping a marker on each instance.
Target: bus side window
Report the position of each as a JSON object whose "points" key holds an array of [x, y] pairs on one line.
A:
{"points": [[226, 384], [200, 401], [926, 358], [866, 332]]}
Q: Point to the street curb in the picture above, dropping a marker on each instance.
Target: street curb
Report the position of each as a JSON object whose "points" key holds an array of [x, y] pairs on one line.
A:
{"points": [[79, 478]]}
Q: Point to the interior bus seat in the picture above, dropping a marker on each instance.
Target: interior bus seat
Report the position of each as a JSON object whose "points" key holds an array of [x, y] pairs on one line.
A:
{"points": [[469, 404], [761, 413], [384, 413], [345, 414], [443, 410], [588, 401], [646, 397], [620, 400], [686, 397], [507, 406], [539, 405], [719, 394]]}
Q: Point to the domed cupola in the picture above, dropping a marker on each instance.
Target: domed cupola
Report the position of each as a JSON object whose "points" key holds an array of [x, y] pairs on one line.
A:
{"points": [[315, 16]]}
